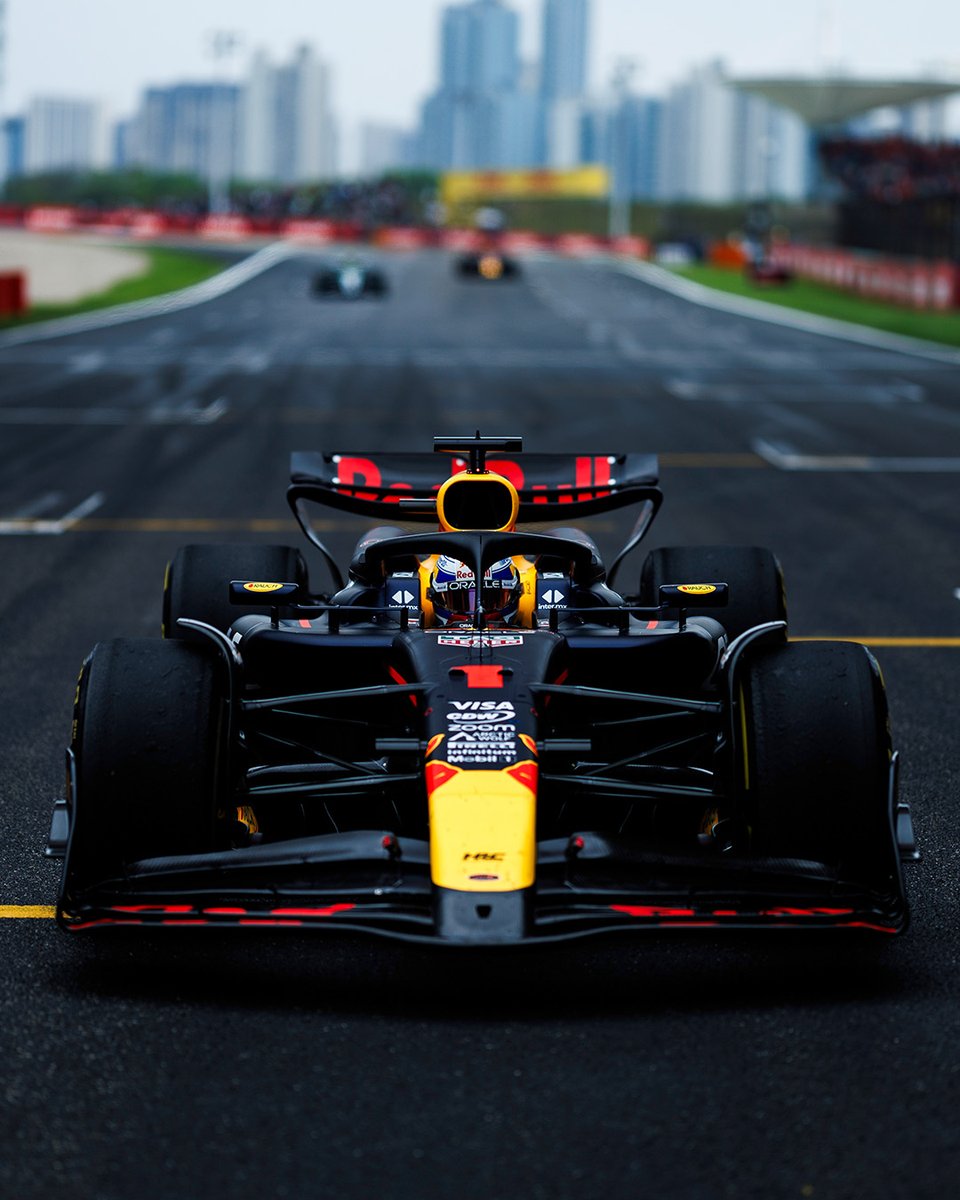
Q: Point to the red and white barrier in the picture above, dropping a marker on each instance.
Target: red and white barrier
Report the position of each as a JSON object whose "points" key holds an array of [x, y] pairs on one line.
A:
{"points": [[50, 219], [914, 284]]}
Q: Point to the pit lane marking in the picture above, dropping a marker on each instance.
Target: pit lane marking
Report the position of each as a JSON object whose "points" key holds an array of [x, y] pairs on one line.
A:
{"points": [[27, 912]]}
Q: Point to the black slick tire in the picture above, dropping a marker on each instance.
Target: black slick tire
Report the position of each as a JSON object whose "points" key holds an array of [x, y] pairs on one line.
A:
{"points": [[816, 758], [149, 741]]}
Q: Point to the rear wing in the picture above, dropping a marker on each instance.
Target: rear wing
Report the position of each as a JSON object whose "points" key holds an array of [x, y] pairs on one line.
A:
{"points": [[550, 486]]}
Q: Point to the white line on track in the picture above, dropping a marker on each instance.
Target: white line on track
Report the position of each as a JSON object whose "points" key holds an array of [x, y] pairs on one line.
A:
{"points": [[42, 504], [187, 414], [760, 310], [35, 525], [780, 391], [200, 293], [785, 458]]}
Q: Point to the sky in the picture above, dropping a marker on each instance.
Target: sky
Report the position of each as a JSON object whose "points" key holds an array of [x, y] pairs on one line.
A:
{"points": [[385, 52]]}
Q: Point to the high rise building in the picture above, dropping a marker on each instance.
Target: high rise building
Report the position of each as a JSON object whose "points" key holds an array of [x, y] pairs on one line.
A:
{"points": [[63, 134], [12, 138], [190, 128], [718, 144], [563, 78], [289, 131], [480, 116], [479, 48], [564, 71]]}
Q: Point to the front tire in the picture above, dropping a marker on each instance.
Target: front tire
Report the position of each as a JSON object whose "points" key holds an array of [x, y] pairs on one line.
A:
{"points": [[816, 759], [149, 741]]}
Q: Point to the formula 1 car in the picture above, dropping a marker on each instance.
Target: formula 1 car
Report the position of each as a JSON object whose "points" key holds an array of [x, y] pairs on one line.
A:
{"points": [[486, 264], [350, 280], [473, 738]]}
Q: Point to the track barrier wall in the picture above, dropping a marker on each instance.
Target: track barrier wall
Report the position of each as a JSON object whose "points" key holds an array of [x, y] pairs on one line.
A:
{"points": [[912, 283]]}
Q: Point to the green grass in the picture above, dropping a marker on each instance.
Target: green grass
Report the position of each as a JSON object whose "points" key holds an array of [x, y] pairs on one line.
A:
{"points": [[168, 271], [942, 327]]}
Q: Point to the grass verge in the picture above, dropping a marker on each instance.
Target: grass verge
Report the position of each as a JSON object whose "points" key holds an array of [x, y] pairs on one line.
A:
{"points": [[169, 271], [803, 294]]}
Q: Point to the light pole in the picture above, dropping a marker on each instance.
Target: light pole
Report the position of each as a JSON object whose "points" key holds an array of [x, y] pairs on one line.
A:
{"points": [[221, 46], [619, 219]]}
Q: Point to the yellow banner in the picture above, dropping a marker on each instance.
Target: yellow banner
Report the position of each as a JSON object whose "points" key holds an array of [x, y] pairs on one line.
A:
{"points": [[460, 187]]}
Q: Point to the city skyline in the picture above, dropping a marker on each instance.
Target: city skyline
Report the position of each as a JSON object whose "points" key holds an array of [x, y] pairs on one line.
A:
{"points": [[385, 58]]}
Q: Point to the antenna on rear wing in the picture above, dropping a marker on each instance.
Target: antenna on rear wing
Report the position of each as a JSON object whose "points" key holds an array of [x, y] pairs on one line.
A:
{"points": [[477, 447]]}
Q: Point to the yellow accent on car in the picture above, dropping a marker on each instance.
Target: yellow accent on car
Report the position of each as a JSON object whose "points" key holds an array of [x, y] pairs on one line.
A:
{"points": [[490, 266], [490, 492], [483, 823]]}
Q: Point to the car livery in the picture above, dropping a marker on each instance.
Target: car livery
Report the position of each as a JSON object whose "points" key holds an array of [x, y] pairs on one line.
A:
{"points": [[586, 761]]}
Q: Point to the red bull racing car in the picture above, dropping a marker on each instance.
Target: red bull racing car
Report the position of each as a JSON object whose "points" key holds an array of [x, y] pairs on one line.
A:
{"points": [[473, 737]]}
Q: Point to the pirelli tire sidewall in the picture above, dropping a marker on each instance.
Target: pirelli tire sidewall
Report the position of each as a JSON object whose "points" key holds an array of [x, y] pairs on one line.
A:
{"points": [[149, 740], [816, 754]]}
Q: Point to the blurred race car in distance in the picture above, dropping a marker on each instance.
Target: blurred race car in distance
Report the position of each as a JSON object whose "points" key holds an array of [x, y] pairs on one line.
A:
{"points": [[766, 271], [486, 264], [473, 738], [350, 280]]}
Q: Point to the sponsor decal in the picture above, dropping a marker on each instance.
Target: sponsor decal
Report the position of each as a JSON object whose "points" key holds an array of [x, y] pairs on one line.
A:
{"points": [[403, 598], [592, 478], [480, 641], [262, 587], [483, 856], [482, 732], [696, 589]]}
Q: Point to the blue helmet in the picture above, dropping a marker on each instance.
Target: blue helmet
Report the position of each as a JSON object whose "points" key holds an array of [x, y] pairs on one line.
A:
{"points": [[453, 590]]}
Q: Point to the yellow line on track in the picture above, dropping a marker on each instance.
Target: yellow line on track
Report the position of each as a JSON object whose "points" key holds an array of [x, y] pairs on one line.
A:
{"points": [[198, 525], [735, 461], [906, 643], [27, 911]]}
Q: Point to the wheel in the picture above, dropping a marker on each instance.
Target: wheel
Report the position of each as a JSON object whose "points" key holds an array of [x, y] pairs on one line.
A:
{"points": [[816, 758], [151, 761], [196, 583], [753, 575]]}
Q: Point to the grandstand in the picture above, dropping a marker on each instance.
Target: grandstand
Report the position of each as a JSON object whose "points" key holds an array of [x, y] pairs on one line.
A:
{"points": [[893, 195]]}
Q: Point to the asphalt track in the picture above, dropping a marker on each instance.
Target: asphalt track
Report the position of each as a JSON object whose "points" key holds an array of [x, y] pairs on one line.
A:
{"points": [[673, 1066]]}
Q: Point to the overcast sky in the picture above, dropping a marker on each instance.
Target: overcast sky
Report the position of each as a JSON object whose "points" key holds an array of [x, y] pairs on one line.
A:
{"points": [[385, 52]]}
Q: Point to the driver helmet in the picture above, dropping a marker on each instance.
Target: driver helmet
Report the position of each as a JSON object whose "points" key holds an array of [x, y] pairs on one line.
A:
{"points": [[453, 591]]}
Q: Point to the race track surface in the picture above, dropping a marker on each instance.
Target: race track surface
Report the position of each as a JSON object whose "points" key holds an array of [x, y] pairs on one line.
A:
{"points": [[670, 1067]]}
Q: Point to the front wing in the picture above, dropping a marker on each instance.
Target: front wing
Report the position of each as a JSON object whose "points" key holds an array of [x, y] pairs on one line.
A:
{"points": [[371, 882]]}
